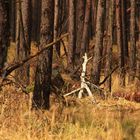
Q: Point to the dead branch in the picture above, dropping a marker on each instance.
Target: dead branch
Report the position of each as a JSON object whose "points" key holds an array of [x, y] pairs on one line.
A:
{"points": [[109, 75], [7, 70]]}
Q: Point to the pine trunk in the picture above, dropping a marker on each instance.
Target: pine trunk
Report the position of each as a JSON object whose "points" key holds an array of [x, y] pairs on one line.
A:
{"points": [[96, 68], [132, 42], [4, 31], [42, 89], [108, 66], [120, 44], [72, 34], [85, 37]]}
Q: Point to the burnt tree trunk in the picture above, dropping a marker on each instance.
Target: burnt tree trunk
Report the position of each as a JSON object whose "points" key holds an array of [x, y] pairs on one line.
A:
{"points": [[23, 38], [96, 68], [124, 28], [85, 37], [72, 34], [42, 88], [56, 25], [108, 65], [120, 43], [4, 31], [13, 20], [132, 42], [80, 10], [36, 17]]}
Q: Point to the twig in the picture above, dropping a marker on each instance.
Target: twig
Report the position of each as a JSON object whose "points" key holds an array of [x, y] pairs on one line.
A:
{"points": [[72, 92]]}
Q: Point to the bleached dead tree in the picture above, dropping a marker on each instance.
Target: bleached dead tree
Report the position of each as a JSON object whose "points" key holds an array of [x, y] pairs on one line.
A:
{"points": [[84, 83]]}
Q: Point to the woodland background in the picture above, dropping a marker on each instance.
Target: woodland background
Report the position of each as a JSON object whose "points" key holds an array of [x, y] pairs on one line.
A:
{"points": [[42, 44]]}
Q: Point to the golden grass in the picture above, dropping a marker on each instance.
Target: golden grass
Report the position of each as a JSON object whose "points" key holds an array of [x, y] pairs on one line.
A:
{"points": [[109, 119], [81, 120]]}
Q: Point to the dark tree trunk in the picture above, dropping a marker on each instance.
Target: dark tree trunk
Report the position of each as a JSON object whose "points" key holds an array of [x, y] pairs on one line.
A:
{"points": [[138, 50], [42, 89], [85, 37], [80, 10], [132, 42], [120, 43], [94, 15], [108, 66], [36, 17], [96, 68], [4, 31], [24, 38], [56, 25], [13, 20], [72, 34], [124, 27]]}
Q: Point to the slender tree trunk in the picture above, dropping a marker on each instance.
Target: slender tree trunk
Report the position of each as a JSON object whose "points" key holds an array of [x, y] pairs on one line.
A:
{"points": [[4, 31], [94, 15], [96, 68], [72, 34], [120, 43], [36, 12], [138, 50], [13, 20], [80, 10], [108, 66], [42, 89], [56, 23], [24, 32], [132, 42], [85, 37], [124, 27]]}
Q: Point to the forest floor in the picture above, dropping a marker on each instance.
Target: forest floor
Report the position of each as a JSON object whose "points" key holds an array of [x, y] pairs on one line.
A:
{"points": [[80, 119], [116, 117]]}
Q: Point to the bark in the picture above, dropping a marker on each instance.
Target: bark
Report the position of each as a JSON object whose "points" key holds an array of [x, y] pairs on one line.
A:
{"points": [[120, 44], [124, 27], [85, 37], [41, 94], [23, 38], [4, 31], [94, 15], [108, 66], [72, 34], [132, 42], [56, 23], [13, 20], [80, 10], [36, 19], [138, 50], [96, 68]]}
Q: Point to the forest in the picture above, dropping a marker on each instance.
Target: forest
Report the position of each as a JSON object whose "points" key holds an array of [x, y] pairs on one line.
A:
{"points": [[69, 69]]}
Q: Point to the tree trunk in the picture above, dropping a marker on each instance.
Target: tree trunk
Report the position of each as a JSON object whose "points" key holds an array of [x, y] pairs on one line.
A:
{"points": [[80, 10], [36, 19], [96, 68], [124, 28], [132, 42], [72, 34], [85, 37], [108, 66], [138, 50], [120, 43], [24, 34], [42, 89], [13, 20], [94, 15], [4, 31], [56, 27]]}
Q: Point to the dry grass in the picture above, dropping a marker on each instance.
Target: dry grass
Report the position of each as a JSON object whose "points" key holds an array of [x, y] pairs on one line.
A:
{"points": [[109, 119], [81, 119]]}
